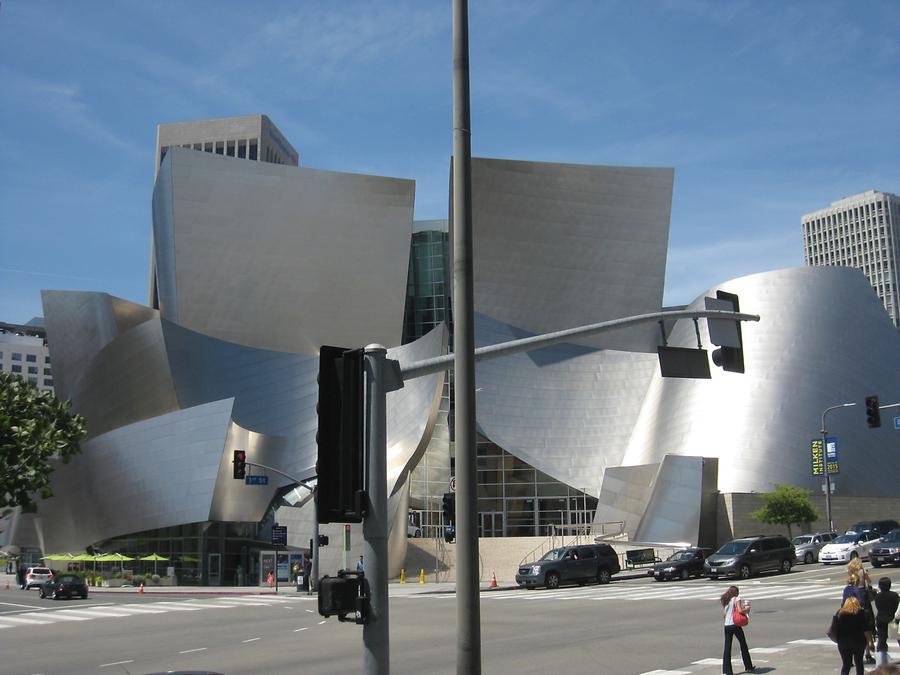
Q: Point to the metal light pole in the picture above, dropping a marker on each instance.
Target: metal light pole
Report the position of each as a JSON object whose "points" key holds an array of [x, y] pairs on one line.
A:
{"points": [[825, 462], [468, 613]]}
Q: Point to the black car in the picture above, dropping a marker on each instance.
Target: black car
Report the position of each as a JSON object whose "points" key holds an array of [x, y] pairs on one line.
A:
{"points": [[751, 555], [683, 564], [882, 527], [886, 551], [64, 586]]}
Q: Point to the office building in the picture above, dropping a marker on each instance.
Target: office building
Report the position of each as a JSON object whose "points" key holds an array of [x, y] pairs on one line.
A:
{"points": [[861, 231], [23, 352]]}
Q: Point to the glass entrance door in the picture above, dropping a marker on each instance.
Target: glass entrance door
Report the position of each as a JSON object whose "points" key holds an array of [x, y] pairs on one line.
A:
{"points": [[490, 524], [215, 569]]}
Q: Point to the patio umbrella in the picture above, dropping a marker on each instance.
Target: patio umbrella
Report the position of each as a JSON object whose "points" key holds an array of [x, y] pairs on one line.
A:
{"points": [[155, 557], [114, 557]]}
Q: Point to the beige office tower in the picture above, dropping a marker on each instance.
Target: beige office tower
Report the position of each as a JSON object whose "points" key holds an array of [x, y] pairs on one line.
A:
{"points": [[252, 137], [861, 231]]}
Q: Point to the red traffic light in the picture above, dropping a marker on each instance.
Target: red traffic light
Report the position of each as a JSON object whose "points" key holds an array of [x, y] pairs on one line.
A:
{"points": [[240, 464]]}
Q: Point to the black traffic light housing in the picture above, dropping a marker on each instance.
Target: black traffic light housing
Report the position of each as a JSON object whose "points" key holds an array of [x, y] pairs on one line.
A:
{"points": [[448, 506], [323, 540], [347, 593], [340, 491], [730, 355], [873, 414], [240, 464]]}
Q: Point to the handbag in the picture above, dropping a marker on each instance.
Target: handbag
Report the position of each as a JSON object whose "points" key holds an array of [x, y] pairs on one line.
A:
{"points": [[738, 618], [832, 629]]}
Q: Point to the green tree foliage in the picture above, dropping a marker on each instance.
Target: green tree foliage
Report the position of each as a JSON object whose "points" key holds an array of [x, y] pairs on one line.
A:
{"points": [[787, 505], [35, 429]]}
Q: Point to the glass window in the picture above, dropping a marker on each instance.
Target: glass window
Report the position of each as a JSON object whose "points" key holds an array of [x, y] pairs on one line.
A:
{"points": [[32, 380], [17, 369], [220, 147], [208, 147], [198, 146], [31, 358], [48, 371], [229, 149], [48, 382], [242, 149], [253, 146], [46, 359], [16, 356], [32, 370]]}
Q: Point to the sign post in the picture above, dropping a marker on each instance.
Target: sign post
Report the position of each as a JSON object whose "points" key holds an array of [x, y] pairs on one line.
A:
{"points": [[279, 538]]}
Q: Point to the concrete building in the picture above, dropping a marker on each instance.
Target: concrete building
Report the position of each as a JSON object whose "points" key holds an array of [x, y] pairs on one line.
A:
{"points": [[861, 231], [24, 352]]}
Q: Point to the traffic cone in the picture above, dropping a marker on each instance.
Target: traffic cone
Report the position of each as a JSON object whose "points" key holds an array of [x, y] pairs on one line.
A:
{"points": [[493, 580], [142, 588], [402, 576], [422, 575]]}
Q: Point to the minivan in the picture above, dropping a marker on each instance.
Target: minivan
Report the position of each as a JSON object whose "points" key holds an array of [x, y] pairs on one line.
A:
{"points": [[751, 555]]}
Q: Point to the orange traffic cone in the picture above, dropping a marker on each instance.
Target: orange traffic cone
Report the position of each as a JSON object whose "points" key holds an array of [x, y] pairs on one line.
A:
{"points": [[493, 580], [142, 588]]}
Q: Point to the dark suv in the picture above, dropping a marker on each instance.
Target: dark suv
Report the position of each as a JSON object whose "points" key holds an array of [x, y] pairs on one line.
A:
{"points": [[578, 564], [879, 526], [751, 555]]}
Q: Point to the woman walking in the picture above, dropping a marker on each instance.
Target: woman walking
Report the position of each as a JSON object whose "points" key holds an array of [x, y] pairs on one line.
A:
{"points": [[850, 630], [858, 577], [731, 604]]}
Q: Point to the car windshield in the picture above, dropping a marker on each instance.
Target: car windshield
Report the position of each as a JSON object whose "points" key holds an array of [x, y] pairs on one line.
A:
{"points": [[734, 548], [796, 541], [846, 539], [893, 536], [680, 555], [555, 554]]}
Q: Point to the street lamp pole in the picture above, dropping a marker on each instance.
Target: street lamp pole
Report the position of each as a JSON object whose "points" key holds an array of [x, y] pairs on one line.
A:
{"points": [[825, 462]]}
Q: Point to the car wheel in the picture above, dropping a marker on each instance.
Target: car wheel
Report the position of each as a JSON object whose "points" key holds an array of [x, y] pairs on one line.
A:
{"points": [[54, 596], [84, 596], [785, 566], [552, 580], [685, 575], [603, 576], [745, 572], [808, 558], [876, 564], [854, 555], [654, 578]]}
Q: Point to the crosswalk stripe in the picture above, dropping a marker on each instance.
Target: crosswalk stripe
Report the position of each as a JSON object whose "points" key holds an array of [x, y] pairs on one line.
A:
{"points": [[178, 606], [19, 621], [53, 616]]}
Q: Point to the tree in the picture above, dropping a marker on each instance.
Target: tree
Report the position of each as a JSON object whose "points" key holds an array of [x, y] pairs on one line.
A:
{"points": [[787, 505], [35, 428]]}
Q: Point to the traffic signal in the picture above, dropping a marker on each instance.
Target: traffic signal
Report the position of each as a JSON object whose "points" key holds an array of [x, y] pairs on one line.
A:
{"points": [[323, 540], [873, 414], [727, 333], [340, 491], [240, 464], [448, 506]]}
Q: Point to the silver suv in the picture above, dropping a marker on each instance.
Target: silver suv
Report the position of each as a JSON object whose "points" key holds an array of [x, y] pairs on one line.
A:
{"points": [[808, 546], [36, 576]]}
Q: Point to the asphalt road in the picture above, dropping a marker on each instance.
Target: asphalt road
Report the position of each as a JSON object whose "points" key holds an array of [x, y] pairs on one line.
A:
{"points": [[633, 626]]}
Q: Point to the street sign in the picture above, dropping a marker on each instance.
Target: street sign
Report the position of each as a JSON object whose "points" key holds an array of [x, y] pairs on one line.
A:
{"points": [[897, 422], [256, 480], [279, 535]]}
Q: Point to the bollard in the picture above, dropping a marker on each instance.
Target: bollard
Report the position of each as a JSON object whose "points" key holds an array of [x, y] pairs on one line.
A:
{"points": [[402, 576], [422, 575]]}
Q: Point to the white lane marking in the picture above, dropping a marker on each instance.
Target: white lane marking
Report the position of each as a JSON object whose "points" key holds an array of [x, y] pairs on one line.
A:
{"points": [[56, 616], [191, 651], [301, 629], [320, 623], [250, 640], [116, 663], [820, 641], [707, 662], [16, 604], [667, 672], [768, 650], [178, 606], [18, 621], [310, 611], [138, 608], [96, 613]]}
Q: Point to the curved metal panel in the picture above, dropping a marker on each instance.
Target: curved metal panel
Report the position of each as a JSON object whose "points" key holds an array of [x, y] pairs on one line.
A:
{"points": [[280, 257], [824, 339], [563, 245]]}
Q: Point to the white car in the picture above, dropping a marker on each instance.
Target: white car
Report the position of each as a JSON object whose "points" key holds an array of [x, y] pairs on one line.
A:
{"points": [[36, 576], [849, 546]]}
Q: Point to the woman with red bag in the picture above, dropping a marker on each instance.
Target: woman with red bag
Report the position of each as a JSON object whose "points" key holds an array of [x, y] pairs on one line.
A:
{"points": [[736, 614]]}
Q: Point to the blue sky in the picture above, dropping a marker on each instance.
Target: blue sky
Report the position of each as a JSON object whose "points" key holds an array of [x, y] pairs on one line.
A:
{"points": [[766, 110]]}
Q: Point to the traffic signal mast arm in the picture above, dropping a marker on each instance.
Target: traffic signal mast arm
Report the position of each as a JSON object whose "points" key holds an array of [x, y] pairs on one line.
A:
{"points": [[298, 481], [439, 363]]}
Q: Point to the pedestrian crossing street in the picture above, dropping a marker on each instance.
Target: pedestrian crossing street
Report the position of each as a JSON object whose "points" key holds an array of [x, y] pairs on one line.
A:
{"points": [[111, 611], [664, 591]]}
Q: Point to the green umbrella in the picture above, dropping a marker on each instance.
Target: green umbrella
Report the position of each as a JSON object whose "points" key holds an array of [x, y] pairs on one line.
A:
{"points": [[114, 557], [155, 557]]}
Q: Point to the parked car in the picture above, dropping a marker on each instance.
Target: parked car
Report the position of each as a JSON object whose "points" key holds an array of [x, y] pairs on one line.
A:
{"points": [[64, 586], [683, 564], [578, 564], [887, 550], [35, 576], [807, 546], [749, 556], [849, 546], [879, 526]]}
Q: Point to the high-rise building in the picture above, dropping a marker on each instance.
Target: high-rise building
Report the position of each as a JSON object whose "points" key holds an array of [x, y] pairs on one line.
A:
{"points": [[252, 137], [23, 352], [861, 231]]}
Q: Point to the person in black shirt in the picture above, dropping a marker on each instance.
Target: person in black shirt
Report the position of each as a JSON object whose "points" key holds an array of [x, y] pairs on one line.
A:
{"points": [[850, 625], [886, 603]]}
